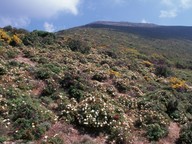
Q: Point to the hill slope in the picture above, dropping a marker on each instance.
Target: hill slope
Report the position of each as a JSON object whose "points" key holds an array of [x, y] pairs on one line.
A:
{"points": [[94, 85], [146, 30]]}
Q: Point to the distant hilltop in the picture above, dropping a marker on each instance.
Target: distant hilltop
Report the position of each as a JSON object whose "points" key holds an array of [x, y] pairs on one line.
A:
{"points": [[130, 24], [146, 29]]}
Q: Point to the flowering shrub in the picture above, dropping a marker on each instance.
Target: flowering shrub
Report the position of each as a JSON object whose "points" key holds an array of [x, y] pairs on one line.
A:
{"points": [[4, 36], [147, 63], [177, 84], [113, 73], [15, 41], [99, 114]]}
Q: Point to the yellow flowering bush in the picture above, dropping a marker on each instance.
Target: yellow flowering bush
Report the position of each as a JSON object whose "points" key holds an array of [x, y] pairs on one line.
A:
{"points": [[147, 64], [4, 36], [113, 73], [179, 85], [15, 41]]}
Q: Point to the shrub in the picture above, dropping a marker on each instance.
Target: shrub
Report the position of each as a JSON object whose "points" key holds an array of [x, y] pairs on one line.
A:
{"points": [[43, 73], [15, 41], [55, 140], [75, 86], [53, 67], [28, 118], [77, 45], [185, 136], [172, 106], [49, 89], [2, 71], [155, 132], [75, 93], [113, 73], [179, 85], [11, 53], [121, 86], [100, 77], [2, 139], [163, 70], [39, 38], [147, 64], [4, 36]]}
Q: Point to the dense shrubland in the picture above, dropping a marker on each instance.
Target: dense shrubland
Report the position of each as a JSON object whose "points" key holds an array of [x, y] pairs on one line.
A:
{"points": [[100, 83]]}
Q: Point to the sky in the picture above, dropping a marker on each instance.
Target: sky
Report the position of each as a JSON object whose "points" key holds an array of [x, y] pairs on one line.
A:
{"points": [[55, 15]]}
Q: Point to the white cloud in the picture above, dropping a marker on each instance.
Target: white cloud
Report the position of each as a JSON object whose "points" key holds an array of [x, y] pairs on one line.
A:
{"points": [[10, 10], [39, 8], [15, 22], [167, 2], [144, 21], [186, 4], [168, 14], [49, 27], [174, 7]]}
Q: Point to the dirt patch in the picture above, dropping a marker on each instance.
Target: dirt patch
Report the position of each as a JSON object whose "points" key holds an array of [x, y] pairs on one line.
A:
{"points": [[22, 59], [39, 85], [173, 135], [68, 134]]}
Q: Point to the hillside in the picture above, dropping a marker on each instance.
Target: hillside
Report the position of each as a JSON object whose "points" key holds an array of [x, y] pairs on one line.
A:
{"points": [[96, 84]]}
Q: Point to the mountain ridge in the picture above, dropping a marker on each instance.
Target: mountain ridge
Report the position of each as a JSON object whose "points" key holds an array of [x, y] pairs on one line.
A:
{"points": [[146, 30]]}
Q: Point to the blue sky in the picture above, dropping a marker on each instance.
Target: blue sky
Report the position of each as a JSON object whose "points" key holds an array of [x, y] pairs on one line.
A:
{"points": [[54, 15]]}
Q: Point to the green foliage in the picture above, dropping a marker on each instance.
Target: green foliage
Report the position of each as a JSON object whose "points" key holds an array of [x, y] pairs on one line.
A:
{"points": [[100, 77], [62, 84], [121, 86], [2, 71], [75, 85], [55, 140], [163, 70], [43, 73], [27, 118], [75, 93], [2, 139], [53, 67], [51, 87], [155, 132], [77, 45], [186, 134], [11, 53], [39, 38]]}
